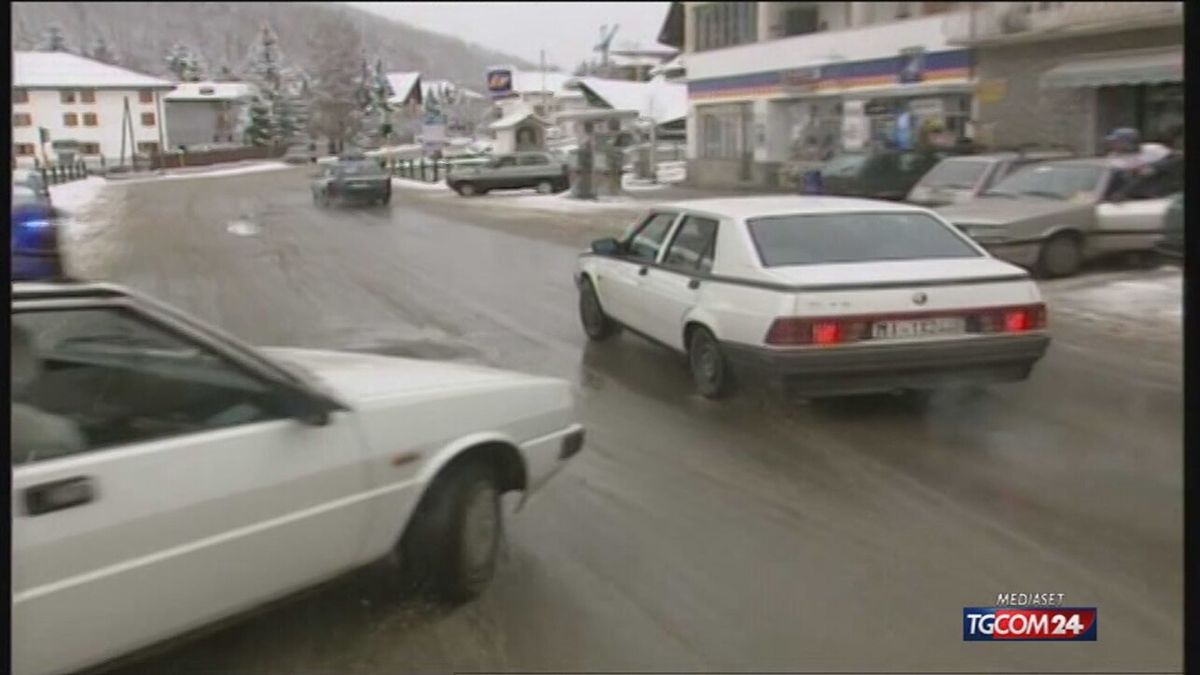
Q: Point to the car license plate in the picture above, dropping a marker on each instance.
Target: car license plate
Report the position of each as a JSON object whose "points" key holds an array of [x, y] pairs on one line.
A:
{"points": [[918, 328]]}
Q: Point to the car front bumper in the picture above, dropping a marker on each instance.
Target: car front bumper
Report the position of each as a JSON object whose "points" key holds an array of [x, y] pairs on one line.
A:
{"points": [[870, 368], [547, 455]]}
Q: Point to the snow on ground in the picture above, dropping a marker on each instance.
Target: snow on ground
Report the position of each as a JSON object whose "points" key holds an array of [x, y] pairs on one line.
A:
{"points": [[77, 195], [561, 203], [1130, 297], [410, 184], [235, 170]]}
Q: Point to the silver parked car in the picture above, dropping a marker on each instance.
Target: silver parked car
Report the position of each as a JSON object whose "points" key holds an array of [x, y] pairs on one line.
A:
{"points": [[1056, 215], [959, 179], [541, 170]]}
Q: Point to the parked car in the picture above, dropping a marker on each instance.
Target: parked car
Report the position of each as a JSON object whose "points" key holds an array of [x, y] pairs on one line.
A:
{"points": [[32, 179], [884, 174], [34, 237], [540, 170], [353, 178], [300, 153], [822, 295], [1054, 216], [166, 476], [1171, 244], [956, 180]]}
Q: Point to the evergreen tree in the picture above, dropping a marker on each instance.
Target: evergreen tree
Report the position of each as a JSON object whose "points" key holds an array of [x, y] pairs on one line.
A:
{"points": [[183, 64], [265, 66], [100, 51], [258, 130], [53, 40]]}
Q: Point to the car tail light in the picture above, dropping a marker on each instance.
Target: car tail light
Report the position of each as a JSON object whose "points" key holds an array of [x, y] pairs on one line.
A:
{"points": [[1021, 319], [797, 331], [825, 331]]}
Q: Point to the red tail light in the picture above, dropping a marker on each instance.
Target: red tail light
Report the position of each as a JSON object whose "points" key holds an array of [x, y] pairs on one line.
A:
{"points": [[795, 331], [826, 333]]}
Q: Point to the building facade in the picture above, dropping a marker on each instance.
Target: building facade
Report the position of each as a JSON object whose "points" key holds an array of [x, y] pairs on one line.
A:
{"points": [[81, 106], [206, 113], [1067, 73], [776, 82]]}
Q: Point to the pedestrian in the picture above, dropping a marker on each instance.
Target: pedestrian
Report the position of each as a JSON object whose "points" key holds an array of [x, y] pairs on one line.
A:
{"points": [[1124, 145]]}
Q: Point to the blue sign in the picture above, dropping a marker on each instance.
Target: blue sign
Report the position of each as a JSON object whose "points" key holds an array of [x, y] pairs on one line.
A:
{"points": [[904, 131], [499, 82], [912, 66]]}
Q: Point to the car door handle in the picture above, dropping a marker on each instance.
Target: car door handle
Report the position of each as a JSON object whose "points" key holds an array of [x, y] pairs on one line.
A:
{"points": [[642, 271], [58, 495], [694, 284]]}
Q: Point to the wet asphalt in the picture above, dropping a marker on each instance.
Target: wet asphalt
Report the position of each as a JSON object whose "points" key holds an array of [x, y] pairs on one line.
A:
{"points": [[689, 536]]}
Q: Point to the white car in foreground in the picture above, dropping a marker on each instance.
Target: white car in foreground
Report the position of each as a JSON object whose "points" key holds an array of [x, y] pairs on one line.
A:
{"points": [[824, 295], [165, 475]]}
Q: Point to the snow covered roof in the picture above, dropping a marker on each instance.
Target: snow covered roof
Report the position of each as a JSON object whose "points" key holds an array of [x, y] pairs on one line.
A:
{"points": [[212, 91], [519, 114], [657, 99], [530, 81], [673, 67], [56, 70], [402, 85]]}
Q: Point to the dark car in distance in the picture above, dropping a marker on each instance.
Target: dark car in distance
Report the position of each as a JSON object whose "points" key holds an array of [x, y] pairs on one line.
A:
{"points": [[352, 180], [883, 174]]}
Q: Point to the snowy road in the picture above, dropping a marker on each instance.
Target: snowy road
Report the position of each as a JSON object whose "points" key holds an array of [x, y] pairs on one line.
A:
{"points": [[845, 535]]}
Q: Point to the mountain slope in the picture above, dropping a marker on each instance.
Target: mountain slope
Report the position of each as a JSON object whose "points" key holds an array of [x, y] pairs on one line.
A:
{"points": [[141, 33]]}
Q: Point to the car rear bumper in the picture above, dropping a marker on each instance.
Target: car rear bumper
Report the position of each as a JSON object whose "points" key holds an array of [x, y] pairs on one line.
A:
{"points": [[863, 368]]}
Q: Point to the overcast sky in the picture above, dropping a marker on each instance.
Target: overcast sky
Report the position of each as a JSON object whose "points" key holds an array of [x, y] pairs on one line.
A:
{"points": [[566, 30]]}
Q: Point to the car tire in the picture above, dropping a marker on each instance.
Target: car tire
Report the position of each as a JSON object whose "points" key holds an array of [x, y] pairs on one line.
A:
{"points": [[467, 189], [1061, 256], [710, 370], [545, 187], [596, 324], [452, 543]]}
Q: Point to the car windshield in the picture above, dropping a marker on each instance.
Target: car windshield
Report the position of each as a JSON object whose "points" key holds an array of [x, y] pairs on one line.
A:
{"points": [[816, 239], [845, 165], [955, 174], [1051, 181]]}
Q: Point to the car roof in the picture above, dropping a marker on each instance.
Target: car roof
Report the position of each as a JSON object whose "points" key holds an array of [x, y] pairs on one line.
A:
{"points": [[757, 207], [29, 290]]}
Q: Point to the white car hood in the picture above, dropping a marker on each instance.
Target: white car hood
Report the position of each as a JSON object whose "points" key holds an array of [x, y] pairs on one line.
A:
{"points": [[898, 271], [355, 376]]}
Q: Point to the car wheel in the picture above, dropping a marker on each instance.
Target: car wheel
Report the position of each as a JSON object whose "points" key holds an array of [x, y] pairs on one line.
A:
{"points": [[466, 189], [452, 543], [596, 323], [1061, 256], [710, 370], [545, 187]]}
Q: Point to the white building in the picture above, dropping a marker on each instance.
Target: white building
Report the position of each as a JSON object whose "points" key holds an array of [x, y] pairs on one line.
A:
{"points": [[767, 80], [81, 104], [203, 113]]}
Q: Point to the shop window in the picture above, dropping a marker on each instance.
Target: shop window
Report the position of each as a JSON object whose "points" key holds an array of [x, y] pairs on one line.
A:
{"points": [[147, 147], [23, 149], [725, 24], [22, 120], [801, 20], [89, 148], [147, 119], [66, 96], [722, 132]]}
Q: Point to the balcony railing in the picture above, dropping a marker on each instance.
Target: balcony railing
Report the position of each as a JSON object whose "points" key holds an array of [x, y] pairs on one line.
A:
{"points": [[999, 21]]}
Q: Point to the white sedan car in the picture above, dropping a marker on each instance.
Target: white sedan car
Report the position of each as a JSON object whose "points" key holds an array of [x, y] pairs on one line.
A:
{"points": [[165, 475], [825, 296]]}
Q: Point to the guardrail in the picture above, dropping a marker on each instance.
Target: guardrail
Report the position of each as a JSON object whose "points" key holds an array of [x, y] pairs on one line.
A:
{"points": [[57, 174], [426, 170]]}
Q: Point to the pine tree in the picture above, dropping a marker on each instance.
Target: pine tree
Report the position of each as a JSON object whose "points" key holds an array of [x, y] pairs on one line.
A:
{"points": [[225, 74], [258, 131], [181, 63], [193, 68], [53, 40], [265, 66], [100, 51]]}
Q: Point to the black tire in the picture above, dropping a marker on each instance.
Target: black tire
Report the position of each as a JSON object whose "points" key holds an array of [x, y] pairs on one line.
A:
{"points": [[452, 543], [544, 187], [387, 198], [467, 189], [596, 324], [710, 370], [1061, 256]]}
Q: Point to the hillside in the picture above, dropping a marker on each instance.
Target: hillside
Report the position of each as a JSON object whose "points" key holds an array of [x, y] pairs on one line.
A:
{"points": [[142, 32]]}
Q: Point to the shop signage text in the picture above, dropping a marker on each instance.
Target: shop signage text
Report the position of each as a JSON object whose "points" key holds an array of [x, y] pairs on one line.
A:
{"points": [[804, 79]]}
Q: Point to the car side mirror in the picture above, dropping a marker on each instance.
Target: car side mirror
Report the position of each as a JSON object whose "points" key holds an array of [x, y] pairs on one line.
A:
{"points": [[606, 246], [306, 408]]}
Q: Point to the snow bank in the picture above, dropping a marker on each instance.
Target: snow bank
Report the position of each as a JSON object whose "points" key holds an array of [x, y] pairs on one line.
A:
{"points": [[1154, 296], [410, 184], [77, 196], [237, 170]]}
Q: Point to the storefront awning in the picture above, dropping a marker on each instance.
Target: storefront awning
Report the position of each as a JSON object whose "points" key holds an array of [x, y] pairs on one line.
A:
{"points": [[1135, 67]]}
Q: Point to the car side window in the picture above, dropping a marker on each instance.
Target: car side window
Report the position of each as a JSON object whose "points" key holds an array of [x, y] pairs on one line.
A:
{"points": [[693, 245], [93, 378], [534, 160], [646, 241], [1156, 182], [506, 162]]}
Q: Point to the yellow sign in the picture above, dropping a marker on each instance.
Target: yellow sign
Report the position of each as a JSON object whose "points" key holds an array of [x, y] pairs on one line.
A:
{"points": [[992, 91]]}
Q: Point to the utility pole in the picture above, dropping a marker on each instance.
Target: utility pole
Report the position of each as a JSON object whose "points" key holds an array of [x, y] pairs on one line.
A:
{"points": [[124, 128]]}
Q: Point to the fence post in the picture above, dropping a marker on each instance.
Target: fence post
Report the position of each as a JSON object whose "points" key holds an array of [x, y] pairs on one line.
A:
{"points": [[436, 162]]}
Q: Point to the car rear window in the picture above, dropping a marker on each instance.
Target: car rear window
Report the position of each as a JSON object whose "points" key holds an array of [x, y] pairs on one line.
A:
{"points": [[955, 174], [359, 168], [844, 165], [816, 239]]}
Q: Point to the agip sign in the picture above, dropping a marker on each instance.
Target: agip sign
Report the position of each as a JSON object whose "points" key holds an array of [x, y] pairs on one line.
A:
{"points": [[500, 82]]}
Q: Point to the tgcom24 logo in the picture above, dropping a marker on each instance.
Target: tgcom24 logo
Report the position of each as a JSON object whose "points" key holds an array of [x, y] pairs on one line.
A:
{"points": [[1040, 624]]}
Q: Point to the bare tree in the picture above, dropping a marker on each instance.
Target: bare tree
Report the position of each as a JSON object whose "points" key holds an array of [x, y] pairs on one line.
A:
{"points": [[337, 47]]}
